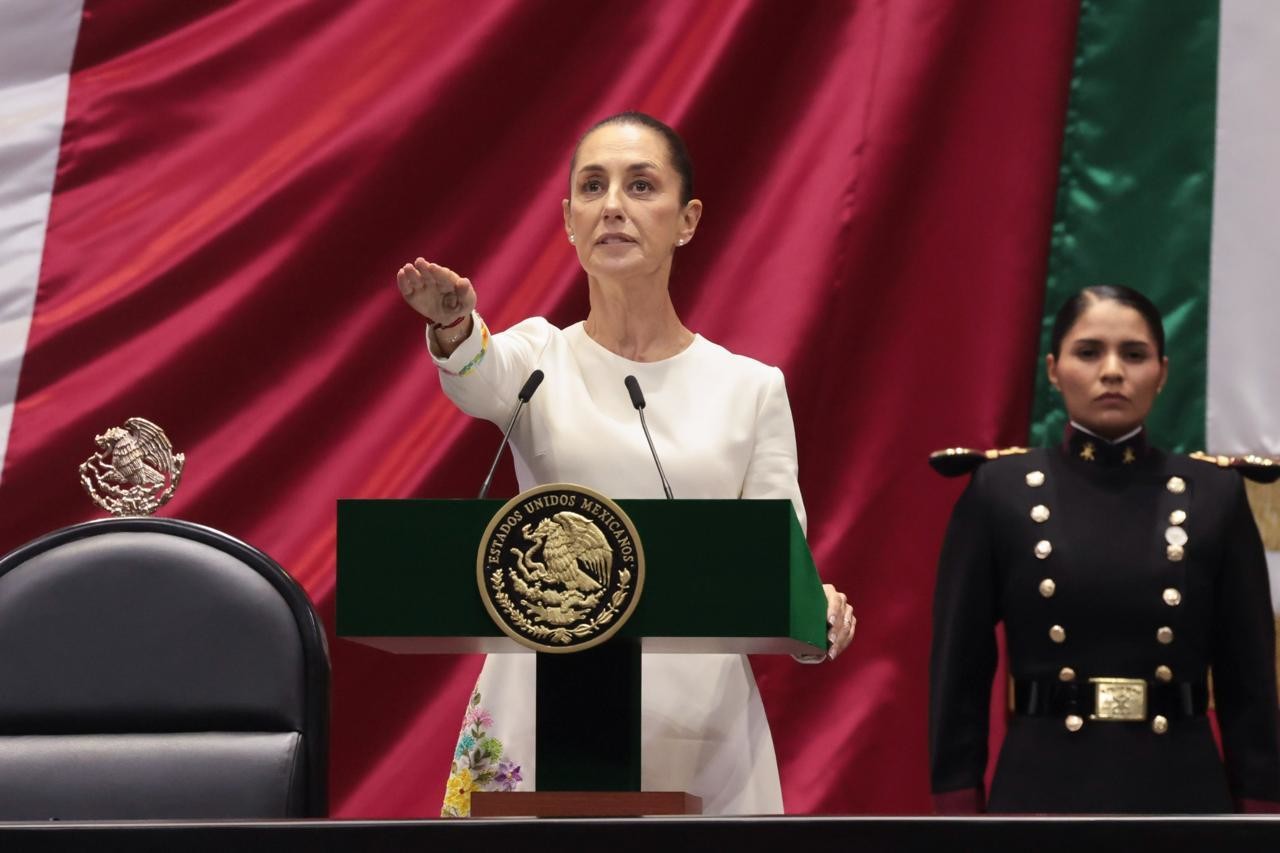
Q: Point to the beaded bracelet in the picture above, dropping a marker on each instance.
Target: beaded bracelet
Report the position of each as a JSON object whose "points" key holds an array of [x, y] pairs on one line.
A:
{"points": [[433, 324]]}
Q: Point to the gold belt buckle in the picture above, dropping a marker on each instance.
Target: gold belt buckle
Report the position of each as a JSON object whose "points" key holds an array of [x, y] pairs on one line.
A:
{"points": [[1119, 699]]}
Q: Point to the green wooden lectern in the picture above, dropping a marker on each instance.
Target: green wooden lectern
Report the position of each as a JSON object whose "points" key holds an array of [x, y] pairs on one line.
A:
{"points": [[720, 576]]}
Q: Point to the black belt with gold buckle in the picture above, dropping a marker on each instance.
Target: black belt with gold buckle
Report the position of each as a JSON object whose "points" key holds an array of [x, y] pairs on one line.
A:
{"points": [[1109, 699]]}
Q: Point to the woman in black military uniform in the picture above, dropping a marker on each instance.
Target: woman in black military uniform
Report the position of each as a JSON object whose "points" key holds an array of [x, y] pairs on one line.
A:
{"points": [[1122, 575]]}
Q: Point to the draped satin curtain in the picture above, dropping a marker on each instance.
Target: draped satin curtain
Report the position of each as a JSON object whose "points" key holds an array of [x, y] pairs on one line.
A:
{"points": [[238, 182]]}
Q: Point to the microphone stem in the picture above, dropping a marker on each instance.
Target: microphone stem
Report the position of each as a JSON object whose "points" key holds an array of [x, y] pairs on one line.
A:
{"points": [[666, 487], [484, 490]]}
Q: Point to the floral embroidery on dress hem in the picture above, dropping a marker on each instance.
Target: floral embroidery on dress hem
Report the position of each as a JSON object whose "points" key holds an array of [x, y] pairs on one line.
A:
{"points": [[478, 762]]}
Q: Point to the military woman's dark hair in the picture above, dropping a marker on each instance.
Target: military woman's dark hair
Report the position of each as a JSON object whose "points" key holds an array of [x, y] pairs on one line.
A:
{"points": [[1071, 310], [675, 147]]}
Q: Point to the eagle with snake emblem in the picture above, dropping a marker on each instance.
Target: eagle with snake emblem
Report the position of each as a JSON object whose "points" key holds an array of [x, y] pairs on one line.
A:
{"points": [[575, 568], [135, 471], [560, 568], [576, 554]]}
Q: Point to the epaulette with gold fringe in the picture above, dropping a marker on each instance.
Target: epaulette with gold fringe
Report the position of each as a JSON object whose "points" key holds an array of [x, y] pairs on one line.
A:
{"points": [[955, 461], [1260, 469]]}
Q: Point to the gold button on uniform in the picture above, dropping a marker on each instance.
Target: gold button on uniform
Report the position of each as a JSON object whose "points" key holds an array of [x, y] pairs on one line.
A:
{"points": [[1175, 536], [1177, 485], [1044, 549], [1058, 634], [1048, 587], [1039, 513], [1164, 634], [1066, 674], [1177, 517], [1174, 553], [1035, 479], [1074, 723], [1163, 673], [1172, 597], [1159, 724]]}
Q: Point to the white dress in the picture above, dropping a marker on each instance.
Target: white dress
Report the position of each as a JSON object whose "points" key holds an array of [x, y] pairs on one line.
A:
{"points": [[722, 427]]}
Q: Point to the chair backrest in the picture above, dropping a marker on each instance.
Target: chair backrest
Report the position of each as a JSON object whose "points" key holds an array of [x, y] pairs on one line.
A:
{"points": [[154, 668]]}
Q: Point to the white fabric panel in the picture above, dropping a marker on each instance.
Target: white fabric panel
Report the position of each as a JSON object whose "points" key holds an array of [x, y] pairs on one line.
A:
{"points": [[1244, 299], [37, 38], [1243, 410]]}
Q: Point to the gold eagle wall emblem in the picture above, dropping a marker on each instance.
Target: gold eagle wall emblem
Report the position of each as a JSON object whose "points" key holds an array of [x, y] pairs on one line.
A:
{"points": [[135, 471], [560, 568]]}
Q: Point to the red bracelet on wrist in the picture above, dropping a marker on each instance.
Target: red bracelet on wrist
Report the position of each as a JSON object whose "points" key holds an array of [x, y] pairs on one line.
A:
{"points": [[433, 324]]}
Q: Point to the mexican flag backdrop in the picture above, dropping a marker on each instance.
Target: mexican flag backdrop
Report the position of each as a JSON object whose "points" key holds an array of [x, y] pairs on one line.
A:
{"points": [[203, 204]]}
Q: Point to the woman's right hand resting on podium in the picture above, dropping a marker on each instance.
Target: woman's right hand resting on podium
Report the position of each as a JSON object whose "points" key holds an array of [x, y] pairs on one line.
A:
{"points": [[445, 298]]}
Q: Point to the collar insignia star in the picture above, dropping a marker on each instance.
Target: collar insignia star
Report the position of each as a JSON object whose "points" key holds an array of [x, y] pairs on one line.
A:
{"points": [[1086, 453]]}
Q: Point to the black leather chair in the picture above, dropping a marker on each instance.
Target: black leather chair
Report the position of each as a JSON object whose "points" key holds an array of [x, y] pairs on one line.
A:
{"points": [[153, 668]]}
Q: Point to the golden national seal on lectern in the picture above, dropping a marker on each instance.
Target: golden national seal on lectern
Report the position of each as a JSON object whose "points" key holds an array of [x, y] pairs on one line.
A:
{"points": [[560, 568]]}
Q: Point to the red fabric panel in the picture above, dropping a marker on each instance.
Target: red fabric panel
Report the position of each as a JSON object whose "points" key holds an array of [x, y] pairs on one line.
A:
{"points": [[1247, 806], [969, 801], [239, 182]]}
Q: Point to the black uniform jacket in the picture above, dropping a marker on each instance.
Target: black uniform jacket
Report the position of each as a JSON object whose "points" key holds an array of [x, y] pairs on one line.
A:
{"points": [[1105, 561]]}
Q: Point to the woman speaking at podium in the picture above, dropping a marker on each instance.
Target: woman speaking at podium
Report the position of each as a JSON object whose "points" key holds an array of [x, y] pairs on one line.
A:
{"points": [[1122, 574], [721, 424]]}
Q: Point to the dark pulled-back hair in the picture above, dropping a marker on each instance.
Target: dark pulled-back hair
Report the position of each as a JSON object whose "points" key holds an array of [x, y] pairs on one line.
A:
{"points": [[675, 147], [1076, 305]]}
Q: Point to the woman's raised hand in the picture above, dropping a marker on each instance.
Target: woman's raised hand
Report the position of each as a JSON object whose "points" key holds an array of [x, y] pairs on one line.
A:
{"points": [[437, 293]]}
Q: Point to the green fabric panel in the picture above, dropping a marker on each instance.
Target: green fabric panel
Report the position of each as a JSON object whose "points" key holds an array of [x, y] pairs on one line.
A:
{"points": [[1135, 192]]}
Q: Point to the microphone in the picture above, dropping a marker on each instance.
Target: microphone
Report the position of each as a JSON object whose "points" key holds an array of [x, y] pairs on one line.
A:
{"points": [[637, 400], [530, 385]]}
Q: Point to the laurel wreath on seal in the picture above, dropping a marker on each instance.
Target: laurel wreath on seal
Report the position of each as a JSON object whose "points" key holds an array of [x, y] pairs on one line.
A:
{"points": [[563, 636]]}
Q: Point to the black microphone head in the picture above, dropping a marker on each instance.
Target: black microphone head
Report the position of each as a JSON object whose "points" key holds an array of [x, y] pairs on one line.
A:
{"points": [[633, 388], [530, 385]]}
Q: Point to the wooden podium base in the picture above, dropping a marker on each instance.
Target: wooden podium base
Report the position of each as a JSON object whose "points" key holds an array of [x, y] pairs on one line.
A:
{"points": [[583, 803]]}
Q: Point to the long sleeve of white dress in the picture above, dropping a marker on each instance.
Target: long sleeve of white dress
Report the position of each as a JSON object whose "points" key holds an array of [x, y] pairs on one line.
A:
{"points": [[722, 426]]}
